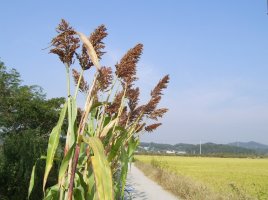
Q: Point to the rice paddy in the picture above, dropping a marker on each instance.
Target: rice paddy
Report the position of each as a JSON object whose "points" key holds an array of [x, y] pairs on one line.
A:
{"points": [[222, 175]]}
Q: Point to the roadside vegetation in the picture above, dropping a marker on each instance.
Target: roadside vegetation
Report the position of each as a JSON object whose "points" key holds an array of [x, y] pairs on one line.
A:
{"points": [[208, 178]]}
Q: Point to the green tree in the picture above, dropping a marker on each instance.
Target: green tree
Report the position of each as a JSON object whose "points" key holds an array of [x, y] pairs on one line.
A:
{"points": [[24, 107], [26, 118]]}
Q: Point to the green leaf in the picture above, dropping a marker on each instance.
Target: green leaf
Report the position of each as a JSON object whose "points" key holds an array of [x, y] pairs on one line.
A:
{"points": [[74, 110], [91, 127], [65, 162], [53, 144], [78, 194], [83, 184], [95, 105], [73, 118], [101, 169], [115, 147], [132, 145], [124, 169], [107, 128], [33, 176], [31, 181], [52, 193], [82, 155], [90, 184]]}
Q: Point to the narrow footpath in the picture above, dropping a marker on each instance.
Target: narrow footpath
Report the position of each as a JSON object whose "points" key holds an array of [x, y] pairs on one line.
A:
{"points": [[142, 188]]}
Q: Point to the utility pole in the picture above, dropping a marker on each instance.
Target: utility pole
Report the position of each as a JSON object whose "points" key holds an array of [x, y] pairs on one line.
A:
{"points": [[200, 149], [267, 7]]}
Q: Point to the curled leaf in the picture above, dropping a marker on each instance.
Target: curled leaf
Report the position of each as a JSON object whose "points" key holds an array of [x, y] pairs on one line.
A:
{"points": [[90, 50]]}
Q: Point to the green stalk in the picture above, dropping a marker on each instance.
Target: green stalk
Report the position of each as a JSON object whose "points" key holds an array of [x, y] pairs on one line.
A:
{"points": [[100, 126], [70, 132], [69, 108], [120, 108], [78, 84], [81, 128], [133, 127], [69, 122], [113, 139]]}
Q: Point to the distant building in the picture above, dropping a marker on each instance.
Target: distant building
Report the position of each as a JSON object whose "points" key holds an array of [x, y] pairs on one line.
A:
{"points": [[146, 148], [170, 152], [181, 152]]}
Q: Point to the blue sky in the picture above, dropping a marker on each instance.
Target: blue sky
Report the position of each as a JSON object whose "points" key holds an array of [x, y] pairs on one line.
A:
{"points": [[216, 53]]}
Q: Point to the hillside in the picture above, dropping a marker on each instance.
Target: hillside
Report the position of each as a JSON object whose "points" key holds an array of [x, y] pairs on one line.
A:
{"points": [[260, 148], [206, 149]]}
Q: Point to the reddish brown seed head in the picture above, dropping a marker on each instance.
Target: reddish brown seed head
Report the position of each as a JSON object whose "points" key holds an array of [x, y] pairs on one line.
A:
{"points": [[96, 39], [152, 127], [83, 86], [65, 43], [105, 78], [126, 68]]}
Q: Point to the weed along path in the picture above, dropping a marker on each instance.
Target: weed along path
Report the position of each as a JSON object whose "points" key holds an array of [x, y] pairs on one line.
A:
{"points": [[141, 187]]}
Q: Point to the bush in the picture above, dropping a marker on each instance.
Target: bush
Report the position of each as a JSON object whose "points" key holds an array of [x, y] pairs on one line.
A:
{"points": [[19, 154]]}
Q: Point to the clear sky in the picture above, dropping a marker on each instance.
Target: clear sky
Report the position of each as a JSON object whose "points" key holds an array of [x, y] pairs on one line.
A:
{"points": [[215, 51]]}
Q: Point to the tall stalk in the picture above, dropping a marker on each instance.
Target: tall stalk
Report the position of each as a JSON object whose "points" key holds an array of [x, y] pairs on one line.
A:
{"points": [[78, 84], [80, 132], [101, 141]]}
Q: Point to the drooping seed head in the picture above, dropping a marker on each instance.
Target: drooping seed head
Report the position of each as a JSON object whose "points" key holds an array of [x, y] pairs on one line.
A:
{"points": [[105, 78], [140, 127], [96, 39], [126, 68], [65, 43], [152, 127], [156, 95], [133, 97], [83, 86], [123, 117], [158, 113], [162, 84], [114, 107]]}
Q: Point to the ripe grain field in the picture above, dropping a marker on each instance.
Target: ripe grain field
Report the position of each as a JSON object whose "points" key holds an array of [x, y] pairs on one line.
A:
{"points": [[221, 175]]}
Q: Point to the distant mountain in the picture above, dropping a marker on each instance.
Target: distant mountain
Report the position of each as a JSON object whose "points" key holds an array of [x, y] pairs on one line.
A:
{"points": [[262, 148], [206, 149]]}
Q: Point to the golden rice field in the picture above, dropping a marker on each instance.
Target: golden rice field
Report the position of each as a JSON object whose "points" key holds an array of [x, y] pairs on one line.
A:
{"points": [[222, 175]]}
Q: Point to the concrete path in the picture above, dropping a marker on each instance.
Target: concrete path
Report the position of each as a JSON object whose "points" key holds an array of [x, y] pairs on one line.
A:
{"points": [[142, 188]]}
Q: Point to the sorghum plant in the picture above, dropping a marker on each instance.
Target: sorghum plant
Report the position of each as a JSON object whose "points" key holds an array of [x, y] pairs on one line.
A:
{"points": [[102, 137]]}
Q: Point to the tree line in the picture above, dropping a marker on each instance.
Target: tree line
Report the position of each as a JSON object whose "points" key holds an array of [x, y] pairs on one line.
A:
{"points": [[207, 149], [26, 119]]}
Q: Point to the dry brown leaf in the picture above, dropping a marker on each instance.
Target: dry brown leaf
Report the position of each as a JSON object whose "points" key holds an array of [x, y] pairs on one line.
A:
{"points": [[90, 50]]}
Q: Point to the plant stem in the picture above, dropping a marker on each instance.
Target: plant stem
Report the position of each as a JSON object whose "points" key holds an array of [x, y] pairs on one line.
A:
{"points": [[67, 145], [70, 126], [75, 161], [80, 132], [100, 126], [78, 83]]}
